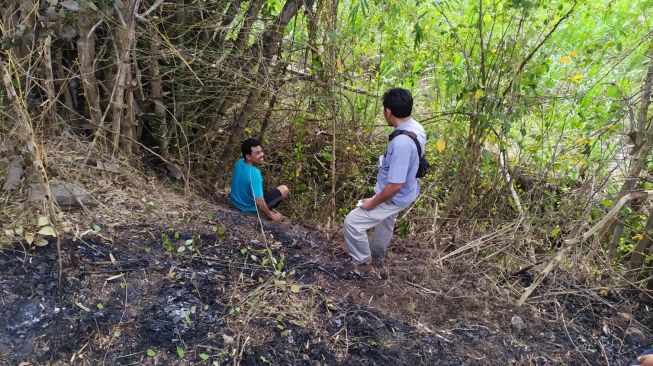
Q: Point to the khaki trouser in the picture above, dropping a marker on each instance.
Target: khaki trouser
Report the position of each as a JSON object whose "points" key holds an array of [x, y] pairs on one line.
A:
{"points": [[382, 218]]}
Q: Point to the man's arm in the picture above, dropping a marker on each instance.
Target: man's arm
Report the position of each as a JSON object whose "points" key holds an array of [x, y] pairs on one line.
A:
{"points": [[272, 215], [389, 191]]}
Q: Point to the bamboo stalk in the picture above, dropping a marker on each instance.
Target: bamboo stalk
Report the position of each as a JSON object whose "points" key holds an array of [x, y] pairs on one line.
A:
{"points": [[49, 80], [29, 139]]}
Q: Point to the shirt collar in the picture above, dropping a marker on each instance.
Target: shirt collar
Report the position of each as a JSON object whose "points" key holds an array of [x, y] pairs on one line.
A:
{"points": [[396, 130]]}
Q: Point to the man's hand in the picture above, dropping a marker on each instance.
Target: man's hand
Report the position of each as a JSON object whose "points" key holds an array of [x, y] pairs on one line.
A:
{"points": [[276, 216], [368, 204], [646, 360]]}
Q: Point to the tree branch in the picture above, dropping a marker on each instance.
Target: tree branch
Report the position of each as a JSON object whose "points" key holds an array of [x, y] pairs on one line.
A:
{"points": [[571, 242]]}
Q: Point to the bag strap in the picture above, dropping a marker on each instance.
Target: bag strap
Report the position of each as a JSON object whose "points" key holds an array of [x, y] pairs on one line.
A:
{"points": [[410, 134]]}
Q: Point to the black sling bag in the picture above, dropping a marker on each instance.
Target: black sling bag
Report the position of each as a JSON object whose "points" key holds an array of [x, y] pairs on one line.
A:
{"points": [[424, 165]]}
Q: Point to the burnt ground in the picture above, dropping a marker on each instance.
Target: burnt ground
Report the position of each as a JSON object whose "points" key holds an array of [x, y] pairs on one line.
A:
{"points": [[237, 297]]}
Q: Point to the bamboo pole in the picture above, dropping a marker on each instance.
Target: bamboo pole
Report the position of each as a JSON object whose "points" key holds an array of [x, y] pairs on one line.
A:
{"points": [[29, 139]]}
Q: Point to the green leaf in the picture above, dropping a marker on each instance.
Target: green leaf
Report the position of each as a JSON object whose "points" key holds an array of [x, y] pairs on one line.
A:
{"points": [[204, 356], [555, 232], [180, 352], [220, 231], [612, 91], [97, 228], [100, 306], [294, 289], [151, 352], [165, 240]]}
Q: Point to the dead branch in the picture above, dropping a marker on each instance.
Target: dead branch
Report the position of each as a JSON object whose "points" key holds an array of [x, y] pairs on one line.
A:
{"points": [[308, 77], [479, 241], [569, 243], [142, 17]]}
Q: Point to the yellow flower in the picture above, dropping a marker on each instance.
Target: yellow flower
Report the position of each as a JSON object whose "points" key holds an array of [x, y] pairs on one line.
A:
{"points": [[565, 59], [576, 78], [440, 145], [478, 94], [573, 53]]}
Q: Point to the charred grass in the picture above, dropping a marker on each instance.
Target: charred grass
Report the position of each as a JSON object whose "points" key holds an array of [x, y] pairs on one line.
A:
{"points": [[288, 297]]}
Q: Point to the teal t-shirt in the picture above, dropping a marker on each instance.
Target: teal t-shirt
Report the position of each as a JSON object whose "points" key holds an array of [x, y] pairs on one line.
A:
{"points": [[246, 185]]}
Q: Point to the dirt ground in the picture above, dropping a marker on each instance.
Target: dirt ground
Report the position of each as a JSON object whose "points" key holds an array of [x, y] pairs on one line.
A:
{"points": [[234, 296], [173, 279]]}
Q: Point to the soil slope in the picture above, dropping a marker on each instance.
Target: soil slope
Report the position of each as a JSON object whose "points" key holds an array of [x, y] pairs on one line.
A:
{"points": [[236, 296]]}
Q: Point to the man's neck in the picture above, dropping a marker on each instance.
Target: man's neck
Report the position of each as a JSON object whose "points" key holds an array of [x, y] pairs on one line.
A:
{"points": [[400, 121]]}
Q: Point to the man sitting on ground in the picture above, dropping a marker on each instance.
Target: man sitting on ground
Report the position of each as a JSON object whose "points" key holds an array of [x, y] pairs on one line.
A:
{"points": [[247, 184]]}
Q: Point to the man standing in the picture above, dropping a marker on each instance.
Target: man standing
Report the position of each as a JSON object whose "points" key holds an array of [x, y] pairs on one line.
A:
{"points": [[396, 185], [247, 184]]}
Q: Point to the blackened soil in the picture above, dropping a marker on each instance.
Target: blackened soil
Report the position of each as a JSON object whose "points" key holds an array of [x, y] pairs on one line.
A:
{"points": [[282, 298]]}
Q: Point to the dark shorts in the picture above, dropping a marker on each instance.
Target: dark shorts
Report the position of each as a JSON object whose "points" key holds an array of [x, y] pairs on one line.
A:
{"points": [[273, 198]]}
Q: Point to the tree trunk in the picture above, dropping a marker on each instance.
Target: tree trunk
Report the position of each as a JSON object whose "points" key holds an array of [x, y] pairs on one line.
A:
{"points": [[253, 11], [25, 27], [266, 119], [330, 73], [64, 86], [129, 117], [268, 45], [237, 129], [642, 249], [51, 104], [86, 56], [232, 11], [641, 151], [229, 96], [466, 174], [157, 97], [124, 40], [618, 228]]}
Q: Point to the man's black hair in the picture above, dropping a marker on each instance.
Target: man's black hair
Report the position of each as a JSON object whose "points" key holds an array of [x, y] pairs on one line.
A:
{"points": [[246, 147], [399, 101]]}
